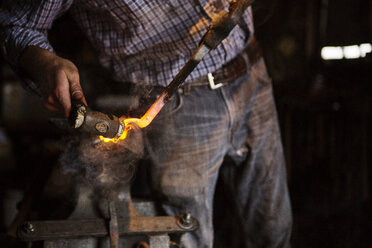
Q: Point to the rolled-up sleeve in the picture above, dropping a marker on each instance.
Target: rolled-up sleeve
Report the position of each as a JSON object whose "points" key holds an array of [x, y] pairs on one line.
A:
{"points": [[25, 23]]}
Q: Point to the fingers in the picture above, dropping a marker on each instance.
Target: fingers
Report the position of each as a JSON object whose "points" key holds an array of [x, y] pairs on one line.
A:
{"points": [[66, 87], [75, 88], [51, 103], [62, 92]]}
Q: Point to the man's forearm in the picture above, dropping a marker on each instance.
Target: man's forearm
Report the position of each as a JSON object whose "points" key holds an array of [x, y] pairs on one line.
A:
{"points": [[24, 24], [34, 61]]}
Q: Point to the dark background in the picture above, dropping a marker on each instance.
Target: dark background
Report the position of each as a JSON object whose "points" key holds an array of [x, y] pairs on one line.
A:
{"points": [[323, 107]]}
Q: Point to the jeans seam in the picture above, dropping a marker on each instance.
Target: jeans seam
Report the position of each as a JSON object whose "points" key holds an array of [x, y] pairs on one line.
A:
{"points": [[224, 96]]}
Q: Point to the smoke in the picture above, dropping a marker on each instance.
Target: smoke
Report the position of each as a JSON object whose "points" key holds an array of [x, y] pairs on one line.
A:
{"points": [[100, 164]]}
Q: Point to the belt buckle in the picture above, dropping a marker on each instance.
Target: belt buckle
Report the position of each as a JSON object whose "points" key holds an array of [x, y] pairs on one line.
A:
{"points": [[212, 85]]}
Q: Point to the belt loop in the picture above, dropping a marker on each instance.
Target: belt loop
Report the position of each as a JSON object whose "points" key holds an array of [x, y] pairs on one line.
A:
{"points": [[186, 89], [246, 60]]}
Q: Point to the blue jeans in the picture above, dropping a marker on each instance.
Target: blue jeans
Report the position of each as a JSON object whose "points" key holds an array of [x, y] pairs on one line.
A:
{"points": [[187, 143]]}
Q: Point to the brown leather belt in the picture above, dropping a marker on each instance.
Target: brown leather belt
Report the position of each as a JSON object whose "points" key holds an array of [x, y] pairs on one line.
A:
{"points": [[232, 70]]}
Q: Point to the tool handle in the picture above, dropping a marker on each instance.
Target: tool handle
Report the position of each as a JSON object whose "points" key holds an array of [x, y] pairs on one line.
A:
{"points": [[77, 113], [224, 22]]}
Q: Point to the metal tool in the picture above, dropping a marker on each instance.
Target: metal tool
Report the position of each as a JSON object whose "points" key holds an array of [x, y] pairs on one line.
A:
{"points": [[109, 126], [219, 29], [116, 216], [62, 229], [113, 225], [94, 122]]}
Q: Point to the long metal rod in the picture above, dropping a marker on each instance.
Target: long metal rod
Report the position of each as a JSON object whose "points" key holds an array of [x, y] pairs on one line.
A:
{"points": [[219, 29], [186, 70], [114, 226]]}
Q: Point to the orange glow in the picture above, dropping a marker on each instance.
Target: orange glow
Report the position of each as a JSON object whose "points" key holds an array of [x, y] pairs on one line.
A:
{"points": [[145, 120]]}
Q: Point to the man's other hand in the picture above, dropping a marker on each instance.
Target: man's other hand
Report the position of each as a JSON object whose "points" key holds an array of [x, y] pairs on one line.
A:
{"points": [[58, 78]]}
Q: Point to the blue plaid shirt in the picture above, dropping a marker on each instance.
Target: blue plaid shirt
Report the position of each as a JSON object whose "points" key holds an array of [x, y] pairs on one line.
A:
{"points": [[140, 41]]}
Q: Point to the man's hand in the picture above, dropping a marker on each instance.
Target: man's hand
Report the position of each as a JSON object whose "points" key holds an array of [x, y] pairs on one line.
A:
{"points": [[58, 78]]}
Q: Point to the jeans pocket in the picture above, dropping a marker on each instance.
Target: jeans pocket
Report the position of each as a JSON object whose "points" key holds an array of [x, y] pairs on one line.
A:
{"points": [[260, 72], [173, 106]]}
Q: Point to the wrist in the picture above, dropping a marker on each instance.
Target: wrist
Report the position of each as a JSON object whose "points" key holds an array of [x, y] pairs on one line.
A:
{"points": [[34, 61]]}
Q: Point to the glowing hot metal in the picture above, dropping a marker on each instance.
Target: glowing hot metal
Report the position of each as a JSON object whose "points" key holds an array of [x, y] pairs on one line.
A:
{"points": [[145, 120]]}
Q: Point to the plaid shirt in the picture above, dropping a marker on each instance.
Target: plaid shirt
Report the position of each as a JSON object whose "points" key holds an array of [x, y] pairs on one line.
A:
{"points": [[140, 41]]}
